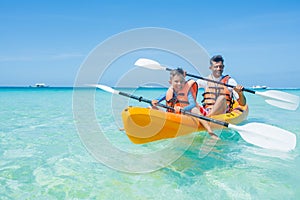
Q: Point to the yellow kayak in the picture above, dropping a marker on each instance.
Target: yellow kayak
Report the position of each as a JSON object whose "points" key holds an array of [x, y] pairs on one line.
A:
{"points": [[143, 125]]}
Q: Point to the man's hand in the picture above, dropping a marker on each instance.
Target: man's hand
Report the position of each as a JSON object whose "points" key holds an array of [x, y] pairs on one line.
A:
{"points": [[238, 88]]}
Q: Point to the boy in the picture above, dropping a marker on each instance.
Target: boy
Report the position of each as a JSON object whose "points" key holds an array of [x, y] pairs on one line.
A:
{"points": [[182, 96]]}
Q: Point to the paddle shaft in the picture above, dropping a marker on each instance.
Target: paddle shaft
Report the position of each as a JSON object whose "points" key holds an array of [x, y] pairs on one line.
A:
{"points": [[206, 79], [141, 99]]}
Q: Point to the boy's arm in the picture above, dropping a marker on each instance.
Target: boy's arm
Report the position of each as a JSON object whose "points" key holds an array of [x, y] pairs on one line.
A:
{"points": [[192, 102], [162, 97]]}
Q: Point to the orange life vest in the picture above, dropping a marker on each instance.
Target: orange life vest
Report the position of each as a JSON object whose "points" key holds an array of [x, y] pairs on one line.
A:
{"points": [[214, 90], [181, 99]]}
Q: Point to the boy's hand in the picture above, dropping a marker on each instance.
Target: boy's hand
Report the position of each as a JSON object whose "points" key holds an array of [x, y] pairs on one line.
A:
{"points": [[154, 102], [177, 109]]}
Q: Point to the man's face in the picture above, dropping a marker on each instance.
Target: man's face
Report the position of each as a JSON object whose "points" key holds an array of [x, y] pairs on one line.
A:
{"points": [[217, 69]]}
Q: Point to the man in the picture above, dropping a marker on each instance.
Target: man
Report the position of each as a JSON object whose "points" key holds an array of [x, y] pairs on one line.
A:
{"points": [[218, 99]]}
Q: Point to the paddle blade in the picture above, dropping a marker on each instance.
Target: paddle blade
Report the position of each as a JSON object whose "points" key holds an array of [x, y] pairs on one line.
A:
{"points": [[282, 104], [280, 99], [266, 136], [150, 64], [107, 89]]}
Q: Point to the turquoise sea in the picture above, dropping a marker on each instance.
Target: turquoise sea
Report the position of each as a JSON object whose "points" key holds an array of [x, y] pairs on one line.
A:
{"points": [[45, 152]]}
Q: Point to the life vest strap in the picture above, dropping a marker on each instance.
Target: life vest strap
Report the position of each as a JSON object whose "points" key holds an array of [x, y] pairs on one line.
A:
{"points": [[183, 102], [215, 87], [215, 93]]}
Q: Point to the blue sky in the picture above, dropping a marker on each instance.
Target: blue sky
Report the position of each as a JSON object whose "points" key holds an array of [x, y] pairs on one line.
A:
{"points": [[47, 41]]}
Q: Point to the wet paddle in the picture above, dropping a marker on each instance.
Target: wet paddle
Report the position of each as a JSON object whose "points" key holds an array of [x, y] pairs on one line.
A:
{"points": [[262, 135], [273, 97]]}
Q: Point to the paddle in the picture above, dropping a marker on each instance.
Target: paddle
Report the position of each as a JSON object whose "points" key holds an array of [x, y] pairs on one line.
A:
{"points": [[262, 135], [276, 98]]}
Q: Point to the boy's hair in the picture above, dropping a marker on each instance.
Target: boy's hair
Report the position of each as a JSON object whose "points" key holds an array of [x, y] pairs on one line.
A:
{"points": [[175, 72]]}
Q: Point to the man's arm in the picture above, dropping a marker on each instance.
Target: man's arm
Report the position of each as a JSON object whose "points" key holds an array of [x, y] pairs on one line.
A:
{"points": [[238, 92]]}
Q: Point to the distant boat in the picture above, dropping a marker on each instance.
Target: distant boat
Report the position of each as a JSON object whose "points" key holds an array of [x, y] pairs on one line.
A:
{"points": [[41, 85], [151, 86], [259, 87]]}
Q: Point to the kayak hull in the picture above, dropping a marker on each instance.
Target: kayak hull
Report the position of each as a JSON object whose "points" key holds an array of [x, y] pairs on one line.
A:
{"points": [[144, 125]]}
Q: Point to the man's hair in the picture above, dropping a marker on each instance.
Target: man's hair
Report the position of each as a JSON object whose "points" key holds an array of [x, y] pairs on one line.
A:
{"points": [[217, 58]]}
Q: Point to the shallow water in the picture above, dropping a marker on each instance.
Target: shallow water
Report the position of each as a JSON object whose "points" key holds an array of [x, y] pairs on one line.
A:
{"points": [[44, 155]]}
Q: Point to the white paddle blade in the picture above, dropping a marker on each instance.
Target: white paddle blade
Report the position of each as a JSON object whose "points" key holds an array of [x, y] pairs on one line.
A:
{"points": [[280, 99], [108, 89], [267, 136], [282, 104], [150, 64]]}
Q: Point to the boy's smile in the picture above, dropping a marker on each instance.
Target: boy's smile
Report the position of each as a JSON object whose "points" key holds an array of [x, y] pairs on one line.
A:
{"points": [[177, 82]]}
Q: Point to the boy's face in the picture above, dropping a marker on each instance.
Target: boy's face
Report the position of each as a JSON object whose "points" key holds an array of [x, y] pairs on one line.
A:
{"points": [[177, 82]]}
